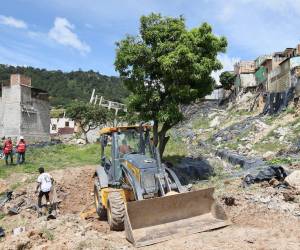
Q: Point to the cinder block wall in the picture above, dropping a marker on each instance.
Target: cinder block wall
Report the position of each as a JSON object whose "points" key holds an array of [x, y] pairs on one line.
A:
{"points": [[35, 117], [22, 113], [11, 98]]}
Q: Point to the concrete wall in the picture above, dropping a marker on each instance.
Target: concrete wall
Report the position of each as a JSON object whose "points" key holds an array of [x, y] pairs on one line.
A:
{"points": [[35, 116], [11, 111], [217, 94], [23, 111], [279, 79], [247, 80]]}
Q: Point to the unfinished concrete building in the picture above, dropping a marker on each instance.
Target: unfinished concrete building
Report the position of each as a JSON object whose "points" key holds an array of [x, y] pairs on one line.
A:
{"points": [[24, 110]]}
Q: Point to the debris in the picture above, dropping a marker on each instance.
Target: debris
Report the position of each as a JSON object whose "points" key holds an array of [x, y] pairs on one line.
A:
{"points": [[229, 201], [18, 230], [266, 174], [87, 214], [269, 155], [80, 141], [274, 182], [16, 209], [5, 198], [2, 233], [294, 179], [288, 197], [215, 122]]}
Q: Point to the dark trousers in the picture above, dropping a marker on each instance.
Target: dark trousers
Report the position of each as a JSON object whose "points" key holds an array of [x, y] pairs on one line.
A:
{"points": [[11, 158], [21, 158], [41, 194]]}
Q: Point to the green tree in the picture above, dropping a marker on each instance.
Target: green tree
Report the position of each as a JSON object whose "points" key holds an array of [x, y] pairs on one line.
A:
{"points": [[166, 66], [227, 79], [88, 116]]}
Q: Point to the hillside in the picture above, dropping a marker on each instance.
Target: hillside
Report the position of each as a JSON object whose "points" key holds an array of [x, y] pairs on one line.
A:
{"points": [[63, 87]]}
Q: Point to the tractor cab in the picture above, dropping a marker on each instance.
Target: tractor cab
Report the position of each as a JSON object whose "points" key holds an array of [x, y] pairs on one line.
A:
{"points": [[120, 145]]}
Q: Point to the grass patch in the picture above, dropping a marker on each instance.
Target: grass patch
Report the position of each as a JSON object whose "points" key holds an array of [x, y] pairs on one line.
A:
{"points": [[202, 122], [54, 157], [279, 161], [290, 110], [46, 233], [2, 215], [175, 150], [268, 146]]}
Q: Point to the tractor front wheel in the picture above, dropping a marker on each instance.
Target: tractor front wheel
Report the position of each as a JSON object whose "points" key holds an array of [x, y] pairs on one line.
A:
{"points": [[116, 211]]}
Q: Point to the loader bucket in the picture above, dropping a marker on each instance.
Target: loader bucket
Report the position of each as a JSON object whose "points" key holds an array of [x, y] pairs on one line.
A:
{"points": [[159, 219]]}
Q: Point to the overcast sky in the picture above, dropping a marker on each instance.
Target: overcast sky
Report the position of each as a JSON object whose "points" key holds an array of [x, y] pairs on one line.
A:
{"points": [[73, 34]]}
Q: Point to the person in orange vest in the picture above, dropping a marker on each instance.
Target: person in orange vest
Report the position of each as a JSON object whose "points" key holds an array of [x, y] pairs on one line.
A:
{"points": [[8, 150], [21, 149]]}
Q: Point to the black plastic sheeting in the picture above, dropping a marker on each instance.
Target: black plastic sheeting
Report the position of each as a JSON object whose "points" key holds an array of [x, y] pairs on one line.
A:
{"points": [[236, 159], [276, 102], [265, 174], [44, 144], [191, 170]]}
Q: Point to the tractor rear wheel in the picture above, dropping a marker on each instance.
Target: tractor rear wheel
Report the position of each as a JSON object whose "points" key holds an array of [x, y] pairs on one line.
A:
{"points": [[116, 211], [101, 211]]}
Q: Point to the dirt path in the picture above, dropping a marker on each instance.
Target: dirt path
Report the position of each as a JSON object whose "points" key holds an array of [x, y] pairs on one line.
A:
{"points": [[254, 225]]}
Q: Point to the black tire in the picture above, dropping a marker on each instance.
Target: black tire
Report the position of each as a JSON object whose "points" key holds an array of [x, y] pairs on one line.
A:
{"points": [[101, 211], [115, 211]]}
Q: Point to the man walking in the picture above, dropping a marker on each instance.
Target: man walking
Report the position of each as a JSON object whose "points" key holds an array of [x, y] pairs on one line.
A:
{"points": [[21, 149], [44, 186], [8, 150]]}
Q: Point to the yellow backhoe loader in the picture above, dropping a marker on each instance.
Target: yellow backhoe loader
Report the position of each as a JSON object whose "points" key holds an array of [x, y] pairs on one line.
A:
{"points": [[135, 191]]}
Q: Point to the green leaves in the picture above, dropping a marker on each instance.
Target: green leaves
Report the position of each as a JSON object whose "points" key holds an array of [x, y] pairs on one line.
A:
{"points": [[88, 115], [227, 79], [167, 65]]}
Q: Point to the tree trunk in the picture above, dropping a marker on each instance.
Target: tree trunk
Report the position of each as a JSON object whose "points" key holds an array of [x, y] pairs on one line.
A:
{"points": [[85, 137], [85, 131], [163, 139], [155, 133]]}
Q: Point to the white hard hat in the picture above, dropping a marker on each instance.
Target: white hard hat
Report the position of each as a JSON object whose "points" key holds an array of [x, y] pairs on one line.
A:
{"points": [[21, 138]]}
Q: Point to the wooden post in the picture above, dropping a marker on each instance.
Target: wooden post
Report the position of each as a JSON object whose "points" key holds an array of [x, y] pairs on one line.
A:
{"points": [[92, 97]]}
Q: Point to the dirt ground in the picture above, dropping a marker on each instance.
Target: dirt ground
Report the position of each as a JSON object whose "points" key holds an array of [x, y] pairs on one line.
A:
{"points": [[255, 225]]}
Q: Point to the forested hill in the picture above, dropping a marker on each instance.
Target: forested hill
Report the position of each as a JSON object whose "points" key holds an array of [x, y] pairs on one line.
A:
{"points": [[65, 87]]}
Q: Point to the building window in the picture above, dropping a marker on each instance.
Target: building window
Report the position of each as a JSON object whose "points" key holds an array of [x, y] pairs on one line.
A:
{"points": [[54, 127], [67, 124]]}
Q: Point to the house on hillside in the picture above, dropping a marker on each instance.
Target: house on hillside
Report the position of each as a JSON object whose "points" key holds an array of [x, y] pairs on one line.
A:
{"points": [[245, 77], [24, 110], [62, 127]]}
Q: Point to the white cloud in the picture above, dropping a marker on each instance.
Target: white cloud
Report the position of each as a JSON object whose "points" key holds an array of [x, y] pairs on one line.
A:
{"points": [[62, 32], [226, 13], [13, 22], [227, 63]]}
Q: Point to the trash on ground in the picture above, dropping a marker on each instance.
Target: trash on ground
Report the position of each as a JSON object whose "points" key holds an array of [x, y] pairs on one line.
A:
{"points": [[18, 230], [266, 174], [2, 233]]}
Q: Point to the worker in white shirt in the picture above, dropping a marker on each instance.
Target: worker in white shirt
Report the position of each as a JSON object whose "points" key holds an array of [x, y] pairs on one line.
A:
{"points": [[45, 182]]}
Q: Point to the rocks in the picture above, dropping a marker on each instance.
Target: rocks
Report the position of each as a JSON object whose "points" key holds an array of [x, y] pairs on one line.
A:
{"points": [[80, 141], [229, 201], [269, 155], [18, 230], [215, 122], [294, 179], [281, 132], [288, 197]]}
